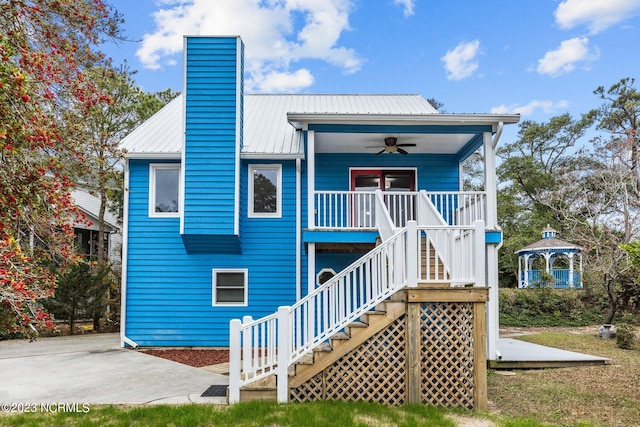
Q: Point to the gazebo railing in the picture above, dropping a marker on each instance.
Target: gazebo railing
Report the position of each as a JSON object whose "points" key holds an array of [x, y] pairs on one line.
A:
{"points": [[560, 276]]}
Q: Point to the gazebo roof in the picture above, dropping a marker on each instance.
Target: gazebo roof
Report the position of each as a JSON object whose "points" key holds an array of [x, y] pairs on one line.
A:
{"points": [[550, 242]]}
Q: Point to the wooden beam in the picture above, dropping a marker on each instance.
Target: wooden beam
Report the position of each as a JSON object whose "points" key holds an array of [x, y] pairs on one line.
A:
{"points": [[448, 295], [413, 354], [480, 356]]}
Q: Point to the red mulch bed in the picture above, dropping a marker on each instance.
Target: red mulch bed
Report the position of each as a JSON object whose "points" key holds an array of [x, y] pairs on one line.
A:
{"points": [[196, 358]]}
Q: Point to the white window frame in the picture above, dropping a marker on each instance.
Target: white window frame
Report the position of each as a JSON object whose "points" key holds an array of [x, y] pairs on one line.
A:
{"points": [[214, 288], [153, 167], [278, 212]]}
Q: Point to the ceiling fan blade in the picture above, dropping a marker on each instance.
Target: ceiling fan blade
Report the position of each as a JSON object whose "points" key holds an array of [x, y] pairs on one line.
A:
{"points": [[401, 151], [380, 152], [405, 145]]}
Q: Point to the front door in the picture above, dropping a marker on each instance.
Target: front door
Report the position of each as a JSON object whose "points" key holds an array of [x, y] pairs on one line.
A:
{"points": [[369, 180]]}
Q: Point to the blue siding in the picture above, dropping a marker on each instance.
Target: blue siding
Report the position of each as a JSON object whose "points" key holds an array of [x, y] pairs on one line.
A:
{"points": [[211, 126], [169, 291], [435, 172]]}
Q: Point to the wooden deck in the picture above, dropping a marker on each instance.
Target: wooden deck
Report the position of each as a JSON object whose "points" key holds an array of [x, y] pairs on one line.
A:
{"points": [[516, 354]]}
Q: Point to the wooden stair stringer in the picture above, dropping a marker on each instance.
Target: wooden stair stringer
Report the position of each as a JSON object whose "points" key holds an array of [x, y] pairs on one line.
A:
{"points": [[322, 360]]}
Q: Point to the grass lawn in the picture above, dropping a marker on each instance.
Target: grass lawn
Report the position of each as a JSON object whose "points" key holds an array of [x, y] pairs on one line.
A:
{"points": [[587, 396], [317, 414]]}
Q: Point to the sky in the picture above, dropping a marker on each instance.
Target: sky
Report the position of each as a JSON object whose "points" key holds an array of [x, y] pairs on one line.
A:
{"points": [[539, 58]]}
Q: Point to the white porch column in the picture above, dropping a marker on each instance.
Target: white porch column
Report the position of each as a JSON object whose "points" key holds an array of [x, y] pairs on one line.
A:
{"points": [[527, 267], [581, 276], [491, 223], [311, 179], [520, 278], [547, 263], [490, 182], [570, 255], [311, 214]]}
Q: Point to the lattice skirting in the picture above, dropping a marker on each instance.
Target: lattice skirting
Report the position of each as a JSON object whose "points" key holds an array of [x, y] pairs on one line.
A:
{"points": [[377, 370], [446, 354]]}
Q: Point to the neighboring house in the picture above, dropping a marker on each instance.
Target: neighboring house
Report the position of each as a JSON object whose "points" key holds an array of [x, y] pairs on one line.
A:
{"points": [[560, 260], [87, 235], [237, 204]]}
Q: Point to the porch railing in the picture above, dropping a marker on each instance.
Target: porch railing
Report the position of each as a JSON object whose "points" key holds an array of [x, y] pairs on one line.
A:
{"points": [[270, 345], [356, 210], [560, 276]]}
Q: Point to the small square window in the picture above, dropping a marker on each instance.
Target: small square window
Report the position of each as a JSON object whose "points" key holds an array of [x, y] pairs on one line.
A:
{"points": [[265, 191], [164, 190], [230, 287]]}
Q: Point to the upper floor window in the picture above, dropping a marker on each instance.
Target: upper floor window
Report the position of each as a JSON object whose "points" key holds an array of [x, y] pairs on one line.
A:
{"points": [[265, 191], [164, 190]]}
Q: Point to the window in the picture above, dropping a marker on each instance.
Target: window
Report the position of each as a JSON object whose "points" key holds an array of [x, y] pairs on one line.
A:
{"points": [[265, 194], [164, 190], [325, 275], [230, 287]]}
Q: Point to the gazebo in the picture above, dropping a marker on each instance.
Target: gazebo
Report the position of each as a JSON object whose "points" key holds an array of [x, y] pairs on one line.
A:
{"points": [[552, 256]]}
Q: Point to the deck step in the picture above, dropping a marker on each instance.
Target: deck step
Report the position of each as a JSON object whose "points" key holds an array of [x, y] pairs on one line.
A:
{"points": [[324, 347], [262, 394]]}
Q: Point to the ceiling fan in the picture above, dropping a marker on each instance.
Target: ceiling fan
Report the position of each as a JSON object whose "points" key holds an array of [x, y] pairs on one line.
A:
{"points": [[391, 146]]}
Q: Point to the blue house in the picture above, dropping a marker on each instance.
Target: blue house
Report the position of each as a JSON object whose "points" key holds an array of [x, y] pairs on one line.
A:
{"points": [[238, 204]]}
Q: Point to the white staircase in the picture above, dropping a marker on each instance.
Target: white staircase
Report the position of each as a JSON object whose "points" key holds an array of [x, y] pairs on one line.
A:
{"points": [[350, 306]]}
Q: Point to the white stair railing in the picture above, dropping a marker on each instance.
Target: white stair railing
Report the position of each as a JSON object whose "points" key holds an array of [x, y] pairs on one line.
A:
{"points": [[296, 330], [455, 254], [269, 345]]}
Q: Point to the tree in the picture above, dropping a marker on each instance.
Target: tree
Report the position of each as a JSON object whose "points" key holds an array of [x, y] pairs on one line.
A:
{"points": [[45, 46], [598, 203], [104, 125], [620, 116], [528, 168], [630, 294]]}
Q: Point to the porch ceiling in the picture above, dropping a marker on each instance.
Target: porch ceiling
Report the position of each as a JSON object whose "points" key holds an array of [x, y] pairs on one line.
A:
{"points": [[334, 142]]}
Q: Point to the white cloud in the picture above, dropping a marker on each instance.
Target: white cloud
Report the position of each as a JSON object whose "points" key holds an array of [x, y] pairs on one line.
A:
{"points": [[547, 107], [280, 82], [565, 58], [268, 29], [408, 6], [461, 62], [597, 15]]}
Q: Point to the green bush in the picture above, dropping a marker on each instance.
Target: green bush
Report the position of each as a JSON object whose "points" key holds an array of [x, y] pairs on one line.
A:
{"points": [[626, 337], [548, 307]]}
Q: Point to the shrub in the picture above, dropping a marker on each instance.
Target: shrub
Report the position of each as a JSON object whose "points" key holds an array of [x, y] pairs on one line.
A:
{"points": [[625, 337], [547, 307]]}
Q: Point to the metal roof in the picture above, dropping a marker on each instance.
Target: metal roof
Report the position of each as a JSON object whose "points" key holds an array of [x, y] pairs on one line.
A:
{"points": [[158, 136], [548, 244], [267, 131], [90, 205], [273, 126]]}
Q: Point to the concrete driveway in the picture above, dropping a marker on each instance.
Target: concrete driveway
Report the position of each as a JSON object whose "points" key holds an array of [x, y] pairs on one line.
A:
{"points": [[95, 369]]}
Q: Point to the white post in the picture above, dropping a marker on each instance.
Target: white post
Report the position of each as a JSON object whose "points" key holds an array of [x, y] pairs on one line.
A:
{"points": [[570, 255], [234, 361], [520, 277], [411, 254], [311, 186], [581, 276], [247, 339], [284, 338], [490, 181], [480, 256]]}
